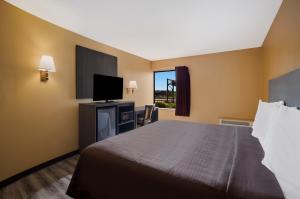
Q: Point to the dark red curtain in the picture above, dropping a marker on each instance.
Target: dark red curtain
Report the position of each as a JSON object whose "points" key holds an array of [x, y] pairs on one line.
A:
{"points": [[183, 91]]}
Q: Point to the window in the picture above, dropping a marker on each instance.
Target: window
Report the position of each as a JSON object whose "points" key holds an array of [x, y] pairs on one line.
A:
{"points": [[165, 89]]}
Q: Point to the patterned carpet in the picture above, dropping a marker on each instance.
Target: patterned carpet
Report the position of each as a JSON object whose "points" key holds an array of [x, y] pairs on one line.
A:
{"points": [[51, 182]]}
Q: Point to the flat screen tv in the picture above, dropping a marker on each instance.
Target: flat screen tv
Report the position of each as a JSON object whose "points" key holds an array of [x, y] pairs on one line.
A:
{"points": [[107, 88]]}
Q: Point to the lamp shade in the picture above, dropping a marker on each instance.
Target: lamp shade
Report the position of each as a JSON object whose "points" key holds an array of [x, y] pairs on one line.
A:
{"points": [[132, 84], [47, 64]]}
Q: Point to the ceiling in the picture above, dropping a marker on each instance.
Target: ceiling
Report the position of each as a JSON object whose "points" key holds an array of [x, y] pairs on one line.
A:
{"points": [[161, 29]]}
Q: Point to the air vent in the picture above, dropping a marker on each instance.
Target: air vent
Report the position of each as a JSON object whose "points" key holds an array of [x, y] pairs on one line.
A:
{"points": [[234, 122]]}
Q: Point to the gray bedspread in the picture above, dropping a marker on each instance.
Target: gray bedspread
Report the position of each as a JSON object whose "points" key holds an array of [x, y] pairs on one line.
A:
{"points": [[172, 159]]}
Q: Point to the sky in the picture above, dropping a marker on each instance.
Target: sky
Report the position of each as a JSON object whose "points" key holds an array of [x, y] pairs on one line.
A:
{"points": [[161, 79]]}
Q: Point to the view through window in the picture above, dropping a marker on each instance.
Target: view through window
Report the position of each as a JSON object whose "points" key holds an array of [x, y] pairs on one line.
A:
{"points": [[165, 89]]}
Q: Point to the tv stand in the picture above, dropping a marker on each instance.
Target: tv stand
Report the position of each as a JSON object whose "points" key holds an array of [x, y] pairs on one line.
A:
{"points": [[100, 120]]}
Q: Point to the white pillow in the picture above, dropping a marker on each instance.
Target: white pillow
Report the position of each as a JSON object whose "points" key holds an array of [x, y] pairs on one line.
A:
{"points": [[289, 191], [265, 114], [282, 154]]}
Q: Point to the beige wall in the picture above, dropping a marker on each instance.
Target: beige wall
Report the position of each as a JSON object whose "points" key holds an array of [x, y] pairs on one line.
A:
{"points": [[38, 121], [230, 84], [225, 84], [281, 49]]}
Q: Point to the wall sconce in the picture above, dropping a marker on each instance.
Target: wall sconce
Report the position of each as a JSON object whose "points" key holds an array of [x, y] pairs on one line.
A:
{"points": [[46, 65], [132, 85]]}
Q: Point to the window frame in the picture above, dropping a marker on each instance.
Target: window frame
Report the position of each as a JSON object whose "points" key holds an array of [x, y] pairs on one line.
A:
{"points": [[159, 71]]}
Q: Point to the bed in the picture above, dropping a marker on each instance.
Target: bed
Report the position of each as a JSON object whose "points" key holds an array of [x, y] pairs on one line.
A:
{"points": [[173, 159]]}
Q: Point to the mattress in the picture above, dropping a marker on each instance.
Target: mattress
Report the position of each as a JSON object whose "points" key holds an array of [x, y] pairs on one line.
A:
{"points": [[174, 159]]}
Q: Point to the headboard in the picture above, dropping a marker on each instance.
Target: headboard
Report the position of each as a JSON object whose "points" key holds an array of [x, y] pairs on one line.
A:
{"points": [[286, 88]]}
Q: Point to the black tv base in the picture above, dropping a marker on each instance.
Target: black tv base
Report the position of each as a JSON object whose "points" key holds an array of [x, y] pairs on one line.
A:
{"points": [[106, 101]]}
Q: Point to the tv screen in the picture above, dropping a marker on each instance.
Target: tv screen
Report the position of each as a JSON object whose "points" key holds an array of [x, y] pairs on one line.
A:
{"points": [[107, 88]]}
